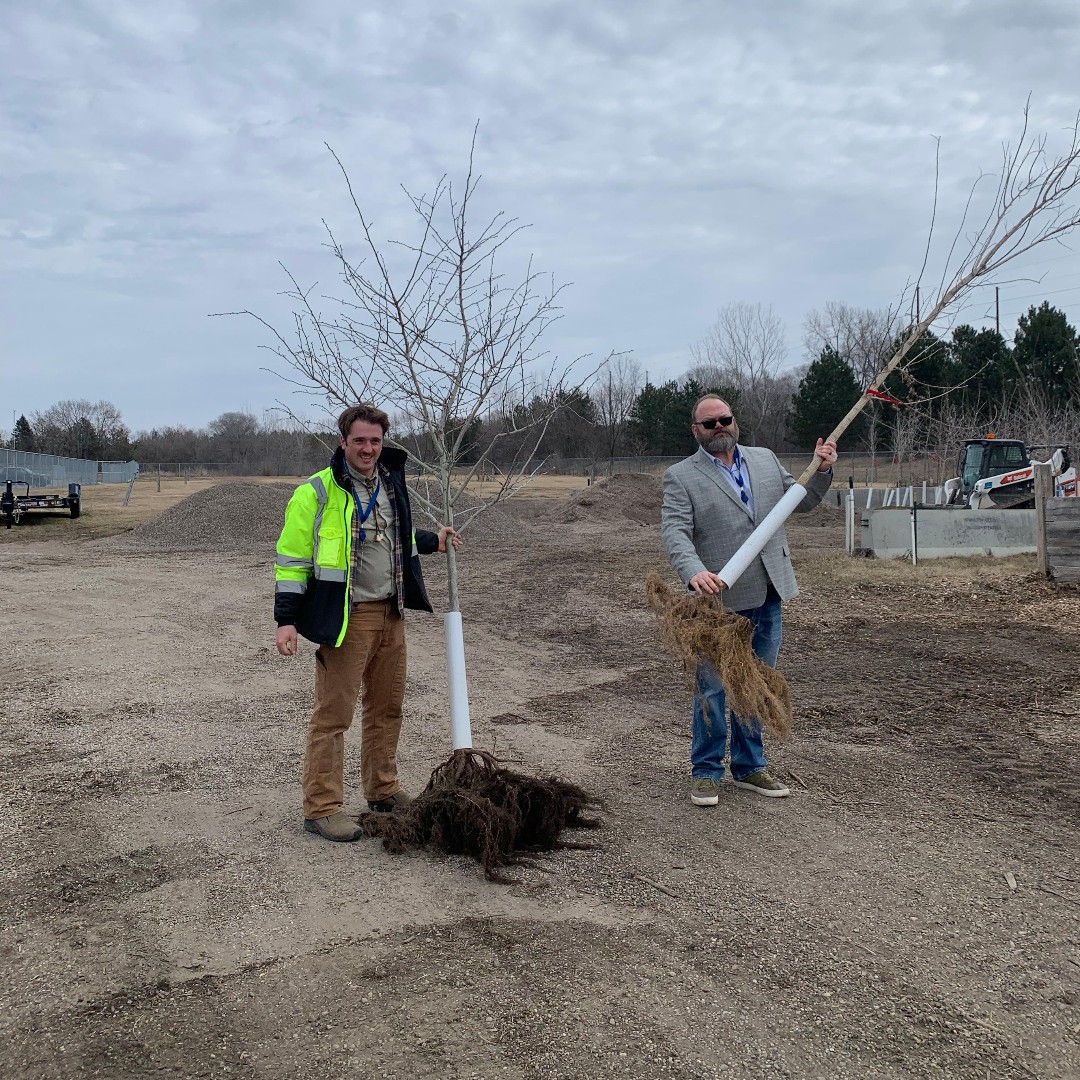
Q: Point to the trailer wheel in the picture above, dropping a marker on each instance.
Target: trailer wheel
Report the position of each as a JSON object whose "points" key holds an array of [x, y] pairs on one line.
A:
{"points": [[76, 508]]}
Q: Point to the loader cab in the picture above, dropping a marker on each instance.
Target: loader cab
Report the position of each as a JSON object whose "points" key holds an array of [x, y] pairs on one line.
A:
{"points": [[981, 458]]}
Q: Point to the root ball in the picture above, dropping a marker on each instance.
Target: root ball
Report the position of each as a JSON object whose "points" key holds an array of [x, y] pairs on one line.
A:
{"points": [[474, 806], [698, 629]]}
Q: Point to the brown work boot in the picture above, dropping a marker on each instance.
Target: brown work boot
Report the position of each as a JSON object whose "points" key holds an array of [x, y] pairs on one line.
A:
{"points": [[339, 827], [398, 801]]}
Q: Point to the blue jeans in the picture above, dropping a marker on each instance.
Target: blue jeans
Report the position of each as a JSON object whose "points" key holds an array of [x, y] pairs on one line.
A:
{"points": [[710, 732]]}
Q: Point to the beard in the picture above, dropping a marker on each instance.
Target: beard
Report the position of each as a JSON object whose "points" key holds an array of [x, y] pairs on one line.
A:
{"points": [[720, 440]]}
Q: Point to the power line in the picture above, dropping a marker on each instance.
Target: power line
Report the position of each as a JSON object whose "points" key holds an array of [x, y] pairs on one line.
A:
{"points": [[1037, 296]]}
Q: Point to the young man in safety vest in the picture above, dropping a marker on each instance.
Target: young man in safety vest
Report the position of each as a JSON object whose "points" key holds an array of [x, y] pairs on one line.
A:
{"points": [[348, 565]]}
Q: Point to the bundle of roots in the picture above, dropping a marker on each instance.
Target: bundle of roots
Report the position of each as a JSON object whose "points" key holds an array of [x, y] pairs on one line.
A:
{"points": [[474, 806], [697, 629]]}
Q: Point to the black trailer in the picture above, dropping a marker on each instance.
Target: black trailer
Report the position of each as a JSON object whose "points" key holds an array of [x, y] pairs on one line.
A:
{"points": [[13, 507]]}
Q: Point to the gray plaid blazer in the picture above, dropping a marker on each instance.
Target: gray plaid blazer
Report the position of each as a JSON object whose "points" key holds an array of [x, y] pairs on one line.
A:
{"points": [[703, 522]]}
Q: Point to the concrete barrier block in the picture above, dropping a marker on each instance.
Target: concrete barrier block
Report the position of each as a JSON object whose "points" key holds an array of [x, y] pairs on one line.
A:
{"points": [[947, 531]]}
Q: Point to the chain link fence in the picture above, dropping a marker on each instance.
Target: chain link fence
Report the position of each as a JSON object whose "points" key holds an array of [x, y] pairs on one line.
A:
{"points": [[52, 471], [203, 470]]}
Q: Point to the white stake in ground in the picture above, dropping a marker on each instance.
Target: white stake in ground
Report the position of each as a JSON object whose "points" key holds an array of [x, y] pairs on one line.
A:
{"points": [[460, 723]]}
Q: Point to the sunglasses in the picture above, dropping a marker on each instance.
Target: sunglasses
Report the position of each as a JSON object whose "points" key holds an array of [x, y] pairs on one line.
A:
{"points": [[711, 423]]}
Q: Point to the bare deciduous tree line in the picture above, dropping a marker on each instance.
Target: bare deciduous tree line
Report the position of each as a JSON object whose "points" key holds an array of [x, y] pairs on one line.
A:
{"points": [[590, 426]]}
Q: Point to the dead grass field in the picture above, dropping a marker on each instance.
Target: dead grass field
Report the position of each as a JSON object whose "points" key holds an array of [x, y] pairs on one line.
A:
{"points": [[912, 912]]}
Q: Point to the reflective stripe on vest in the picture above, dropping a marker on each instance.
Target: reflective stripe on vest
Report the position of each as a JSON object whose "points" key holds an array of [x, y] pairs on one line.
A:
{"points": [[293, 561], [320, 495]]}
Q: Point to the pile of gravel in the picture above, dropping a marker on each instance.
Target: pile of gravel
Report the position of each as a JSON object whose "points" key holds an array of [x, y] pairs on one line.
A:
{"points": [[233, 516], [634, 497]]}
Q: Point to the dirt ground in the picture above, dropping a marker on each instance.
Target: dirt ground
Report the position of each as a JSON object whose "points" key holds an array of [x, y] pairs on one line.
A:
{"points": [[912, 911]]}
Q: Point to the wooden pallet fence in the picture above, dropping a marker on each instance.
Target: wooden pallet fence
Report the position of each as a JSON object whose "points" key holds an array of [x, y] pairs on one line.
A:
{"points": [[1057, 529], [1063, 538]]}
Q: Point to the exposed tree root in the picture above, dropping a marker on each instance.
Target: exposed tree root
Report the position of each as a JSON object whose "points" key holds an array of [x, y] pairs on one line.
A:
{"points": [[474, 806], [698, 628]]}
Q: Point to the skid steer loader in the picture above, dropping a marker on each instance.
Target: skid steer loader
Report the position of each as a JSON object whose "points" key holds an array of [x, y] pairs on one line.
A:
{"points": [[1000, 473]]}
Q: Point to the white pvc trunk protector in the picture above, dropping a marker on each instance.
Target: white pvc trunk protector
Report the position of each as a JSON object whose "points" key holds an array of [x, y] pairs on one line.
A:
{"points": [[752, 547], [460, 727]]}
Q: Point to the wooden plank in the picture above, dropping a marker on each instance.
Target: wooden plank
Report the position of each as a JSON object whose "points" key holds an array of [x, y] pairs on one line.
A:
{"points": [[1044, 490]]}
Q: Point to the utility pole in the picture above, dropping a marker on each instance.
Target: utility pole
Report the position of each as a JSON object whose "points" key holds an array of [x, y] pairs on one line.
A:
{"points": [[997, 310], [918, 316]]}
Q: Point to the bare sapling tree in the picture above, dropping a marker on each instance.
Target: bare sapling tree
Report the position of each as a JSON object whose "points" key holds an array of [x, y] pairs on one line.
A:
{"points": [[432, 330], [744, 349], [1035, 203], [613, 393]]}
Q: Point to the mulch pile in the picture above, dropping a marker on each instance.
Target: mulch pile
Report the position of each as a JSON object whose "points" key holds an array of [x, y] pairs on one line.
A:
{"points": [[633, 497]]}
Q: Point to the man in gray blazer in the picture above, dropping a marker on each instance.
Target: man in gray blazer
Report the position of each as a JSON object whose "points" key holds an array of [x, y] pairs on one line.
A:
{"points": [[712, 501]]}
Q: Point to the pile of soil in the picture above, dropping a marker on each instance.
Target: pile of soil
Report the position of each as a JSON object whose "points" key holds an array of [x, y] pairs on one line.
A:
{"points": [[823, 516], [624, 497]]}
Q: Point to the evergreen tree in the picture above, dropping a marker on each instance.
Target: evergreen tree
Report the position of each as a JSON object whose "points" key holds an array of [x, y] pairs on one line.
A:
{"points": [[982, 368], [83, 440], [660, 419], [826, 393], [22, 437], [1046, 350]]}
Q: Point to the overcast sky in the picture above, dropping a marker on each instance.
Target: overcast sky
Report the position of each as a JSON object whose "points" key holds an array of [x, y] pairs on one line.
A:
{"points": [[159, 160]]}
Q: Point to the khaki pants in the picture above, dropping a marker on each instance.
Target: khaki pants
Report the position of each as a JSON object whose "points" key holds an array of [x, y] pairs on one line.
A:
{"points": [[369, 664]]}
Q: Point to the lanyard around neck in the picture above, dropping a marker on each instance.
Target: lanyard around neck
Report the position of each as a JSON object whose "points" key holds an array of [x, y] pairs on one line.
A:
{"points": [[366, 512]]}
